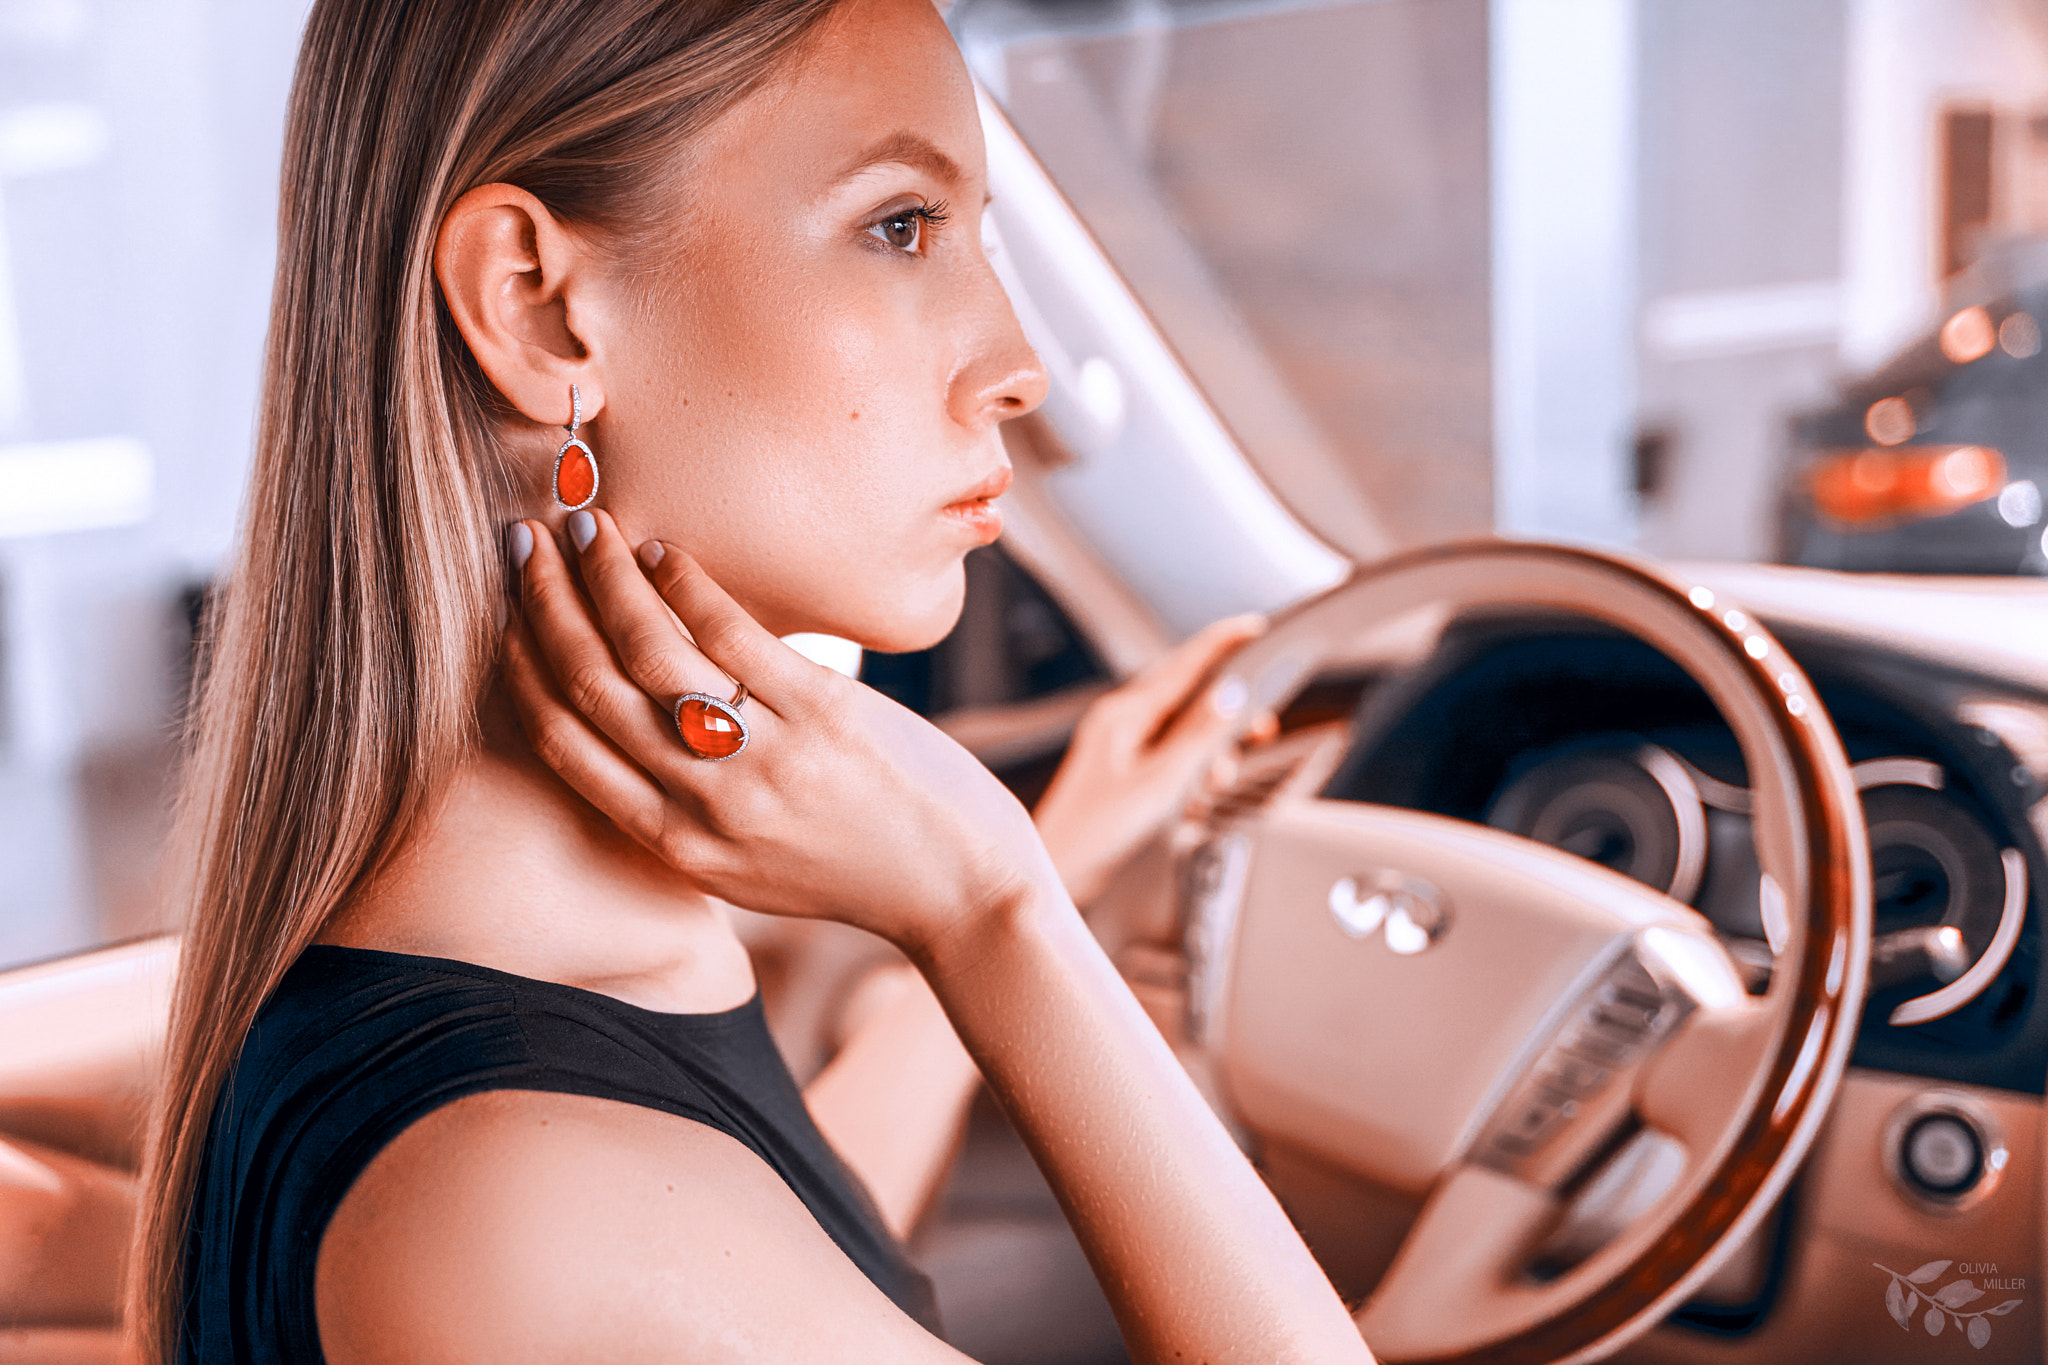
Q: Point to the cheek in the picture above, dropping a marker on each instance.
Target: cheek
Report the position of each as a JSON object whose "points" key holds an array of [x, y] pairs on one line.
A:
{"points": [[799, 443], [849, 401], [874, 365]]}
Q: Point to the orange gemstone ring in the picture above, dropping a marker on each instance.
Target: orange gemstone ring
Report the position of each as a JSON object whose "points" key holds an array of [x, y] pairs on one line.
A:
{"points": [[710, 728]]}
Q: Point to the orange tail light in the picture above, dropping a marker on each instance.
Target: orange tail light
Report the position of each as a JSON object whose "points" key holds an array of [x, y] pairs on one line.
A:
{"points": [[1903, 483]]}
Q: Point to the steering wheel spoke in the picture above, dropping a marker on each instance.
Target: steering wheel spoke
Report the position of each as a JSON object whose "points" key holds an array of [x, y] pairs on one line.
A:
{"points": [[1703, 1077], [1469, 1248], [1383, 932]]}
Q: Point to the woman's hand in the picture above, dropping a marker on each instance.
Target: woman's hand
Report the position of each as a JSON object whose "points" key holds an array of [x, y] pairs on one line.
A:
{"points": [[843, 805], [1140, 754]]}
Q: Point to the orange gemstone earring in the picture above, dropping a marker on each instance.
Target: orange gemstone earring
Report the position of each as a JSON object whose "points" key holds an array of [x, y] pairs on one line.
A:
{"points": [[575, 462]]}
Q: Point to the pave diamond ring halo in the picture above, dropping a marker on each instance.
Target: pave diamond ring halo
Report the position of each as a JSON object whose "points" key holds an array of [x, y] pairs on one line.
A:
{"points": [[710, 728]]}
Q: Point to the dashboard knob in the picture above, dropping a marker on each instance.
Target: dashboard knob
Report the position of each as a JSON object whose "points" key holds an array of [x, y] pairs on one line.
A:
{"points": [[1942, 1154]]}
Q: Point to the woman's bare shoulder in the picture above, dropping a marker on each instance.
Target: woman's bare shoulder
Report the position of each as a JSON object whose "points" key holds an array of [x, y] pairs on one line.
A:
{"points": [[518, 1225]]}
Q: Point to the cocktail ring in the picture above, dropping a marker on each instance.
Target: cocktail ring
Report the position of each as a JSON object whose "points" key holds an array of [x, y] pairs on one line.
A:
{"points": [[711, 728]]}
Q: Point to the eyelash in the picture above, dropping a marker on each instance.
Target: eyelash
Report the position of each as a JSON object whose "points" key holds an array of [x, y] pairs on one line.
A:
{"points": [[930, 218]]}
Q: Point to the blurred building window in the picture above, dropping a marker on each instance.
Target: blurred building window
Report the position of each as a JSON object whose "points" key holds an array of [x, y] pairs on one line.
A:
{"points": [[1965, 185]]}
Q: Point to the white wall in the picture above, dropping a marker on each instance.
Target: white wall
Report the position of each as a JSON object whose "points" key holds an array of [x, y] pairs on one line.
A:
{"points": [[1740, 152]]}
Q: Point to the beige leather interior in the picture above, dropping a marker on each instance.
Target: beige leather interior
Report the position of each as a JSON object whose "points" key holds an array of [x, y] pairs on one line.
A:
{"points": [[83, 1037], [1850, 1214]]}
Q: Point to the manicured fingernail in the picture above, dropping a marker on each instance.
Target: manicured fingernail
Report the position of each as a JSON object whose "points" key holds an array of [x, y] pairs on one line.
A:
{"points": [[519, 544], [651, 553], [1230, 696], [582, 529]]}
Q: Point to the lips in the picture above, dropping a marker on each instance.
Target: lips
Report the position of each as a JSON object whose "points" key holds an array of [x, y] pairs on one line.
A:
{"points": [[976, 509], [988, 490]]}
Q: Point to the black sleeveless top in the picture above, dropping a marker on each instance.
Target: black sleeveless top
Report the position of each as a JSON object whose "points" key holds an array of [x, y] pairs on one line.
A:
{"points": [[355, 1045]]}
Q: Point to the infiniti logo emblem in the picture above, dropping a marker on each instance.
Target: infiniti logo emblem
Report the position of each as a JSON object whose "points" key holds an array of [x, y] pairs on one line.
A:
{"points": [[1409, 914]]}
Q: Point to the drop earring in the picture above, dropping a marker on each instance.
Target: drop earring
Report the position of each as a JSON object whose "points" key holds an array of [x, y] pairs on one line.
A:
{"points": [[575, 462]]}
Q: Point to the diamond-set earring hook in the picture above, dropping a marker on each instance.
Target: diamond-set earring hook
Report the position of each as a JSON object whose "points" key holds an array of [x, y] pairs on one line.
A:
{"points": [[576, 478]]}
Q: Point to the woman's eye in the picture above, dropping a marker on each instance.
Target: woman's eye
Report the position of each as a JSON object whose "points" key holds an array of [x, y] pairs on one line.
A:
{"points": [[904, 231], [905, 228]]}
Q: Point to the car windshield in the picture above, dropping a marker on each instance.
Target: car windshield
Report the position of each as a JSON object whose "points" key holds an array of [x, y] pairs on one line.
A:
{"points": [[1598, 272]]}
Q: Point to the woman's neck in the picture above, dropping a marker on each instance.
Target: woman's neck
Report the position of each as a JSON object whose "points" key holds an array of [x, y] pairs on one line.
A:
{"points": [[514, 871]]}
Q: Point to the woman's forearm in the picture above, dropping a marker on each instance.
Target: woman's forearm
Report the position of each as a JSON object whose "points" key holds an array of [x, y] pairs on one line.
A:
{"points": [[894, 1100], [1195, 1254]]}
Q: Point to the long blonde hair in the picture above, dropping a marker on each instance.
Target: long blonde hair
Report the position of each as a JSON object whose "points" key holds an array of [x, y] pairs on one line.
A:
{"points": [[354, 636]]}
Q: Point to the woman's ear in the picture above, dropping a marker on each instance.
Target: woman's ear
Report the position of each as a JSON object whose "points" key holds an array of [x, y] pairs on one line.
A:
{"points": [[519, 288]]}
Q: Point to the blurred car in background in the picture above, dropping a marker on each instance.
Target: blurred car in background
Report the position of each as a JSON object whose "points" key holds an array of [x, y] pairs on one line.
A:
{"points": [[1938, 462]]}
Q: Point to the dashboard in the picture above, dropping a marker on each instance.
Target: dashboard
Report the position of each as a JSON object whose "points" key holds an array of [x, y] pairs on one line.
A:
{"points": [[1587, 739]]}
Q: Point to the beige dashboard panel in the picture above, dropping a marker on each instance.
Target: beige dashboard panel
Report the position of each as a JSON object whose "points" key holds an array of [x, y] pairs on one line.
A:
{"points": [[1853, 1220]]}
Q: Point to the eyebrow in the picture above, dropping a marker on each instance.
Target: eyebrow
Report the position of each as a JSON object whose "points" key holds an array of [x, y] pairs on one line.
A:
{"points": [[906, 149]]}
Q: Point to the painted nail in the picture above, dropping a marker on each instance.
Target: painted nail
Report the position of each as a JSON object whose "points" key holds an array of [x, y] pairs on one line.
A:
{"points": [[582, 529], [1230, 696], [651, 553], [519, 544]]}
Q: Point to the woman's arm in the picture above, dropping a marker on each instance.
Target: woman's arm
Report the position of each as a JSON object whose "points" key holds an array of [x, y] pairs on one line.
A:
{"points": [[892, 1102], [894, 1099], [1193, 1251], [519, 1226], [853, 807]]}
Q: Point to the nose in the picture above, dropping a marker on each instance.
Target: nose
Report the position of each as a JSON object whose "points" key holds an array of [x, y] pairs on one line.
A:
{"points": [[1002, 376]]}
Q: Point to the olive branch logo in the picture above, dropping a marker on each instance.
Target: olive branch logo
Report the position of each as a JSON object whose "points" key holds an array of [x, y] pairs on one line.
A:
{"points": [[1944, 1305]]}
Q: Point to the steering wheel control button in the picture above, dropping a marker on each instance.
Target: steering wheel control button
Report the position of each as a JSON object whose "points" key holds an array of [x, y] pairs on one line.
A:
{"points": [[1943, 1155], [1615, 1019], [1596, 1044], [1407, 913], [1538, 1119], [1573, 1075], [1605, 1032], [1626, 1017]]}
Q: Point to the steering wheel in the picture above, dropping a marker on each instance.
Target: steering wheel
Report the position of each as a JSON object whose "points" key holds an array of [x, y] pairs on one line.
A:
{"points": [[1564, 1066]]}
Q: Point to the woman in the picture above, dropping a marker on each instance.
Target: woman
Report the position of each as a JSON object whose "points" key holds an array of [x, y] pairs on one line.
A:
{"points": [[466, 1063]]}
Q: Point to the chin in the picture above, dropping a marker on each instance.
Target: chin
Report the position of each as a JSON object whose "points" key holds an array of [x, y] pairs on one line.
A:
{"points": [[916, 618]]}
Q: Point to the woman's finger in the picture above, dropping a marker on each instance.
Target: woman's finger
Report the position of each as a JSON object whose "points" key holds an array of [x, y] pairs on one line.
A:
{"points": [[1208, 723], [1167, 684], [574, 651], [727, 635], [655, 654], [591, 765]]}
